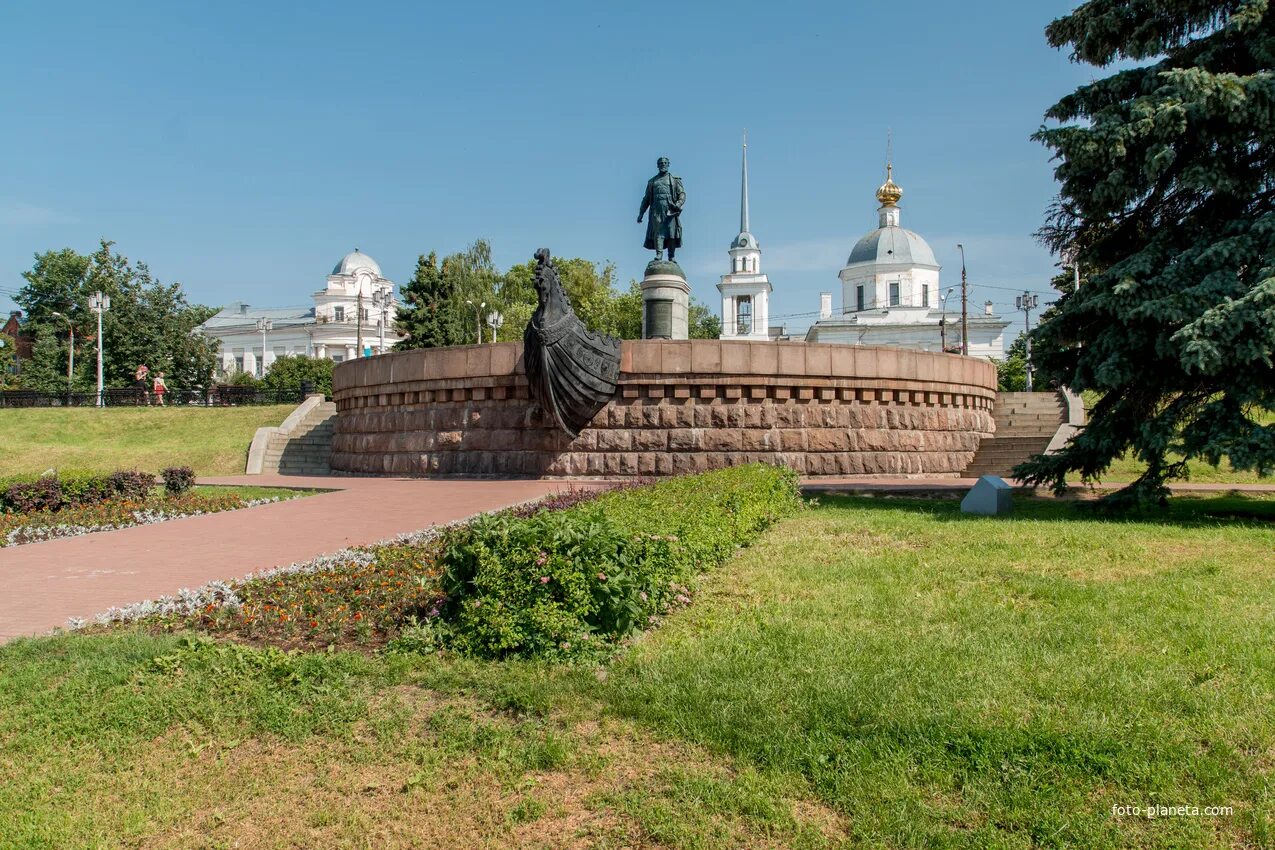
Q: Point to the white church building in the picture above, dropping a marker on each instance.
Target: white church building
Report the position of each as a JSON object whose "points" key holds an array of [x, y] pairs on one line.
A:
{"points": [[890, 294], [358, 304], [745, 290]]}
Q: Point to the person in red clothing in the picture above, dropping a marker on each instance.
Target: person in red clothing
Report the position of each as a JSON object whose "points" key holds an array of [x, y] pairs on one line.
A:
{"points": [[159, 388]]}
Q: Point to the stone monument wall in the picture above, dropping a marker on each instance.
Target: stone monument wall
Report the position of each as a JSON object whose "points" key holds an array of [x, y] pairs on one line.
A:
{"points": [[683, 406]]}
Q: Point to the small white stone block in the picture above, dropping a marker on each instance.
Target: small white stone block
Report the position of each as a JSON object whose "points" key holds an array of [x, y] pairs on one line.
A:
{"points": [[989, 497]]}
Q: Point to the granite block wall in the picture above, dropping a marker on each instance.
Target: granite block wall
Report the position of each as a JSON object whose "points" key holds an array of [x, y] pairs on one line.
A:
{"points": [[683, 406]]}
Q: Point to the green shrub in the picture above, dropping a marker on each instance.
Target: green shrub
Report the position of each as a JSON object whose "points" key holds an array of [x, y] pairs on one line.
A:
{"points": [[28, 493], [288, 373], [84, 488], [132, 484], [43, 494], [177, 479], [562, 583]]}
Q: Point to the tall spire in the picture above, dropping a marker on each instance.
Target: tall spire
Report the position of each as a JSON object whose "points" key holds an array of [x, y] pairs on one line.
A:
{"points": [[743, 192]]}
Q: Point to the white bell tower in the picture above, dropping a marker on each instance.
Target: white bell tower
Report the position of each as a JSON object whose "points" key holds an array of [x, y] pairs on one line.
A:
{"points": [[745, 290]]}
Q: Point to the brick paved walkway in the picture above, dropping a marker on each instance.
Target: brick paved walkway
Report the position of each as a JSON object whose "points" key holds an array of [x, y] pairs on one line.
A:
{"points": [[43, 584]]}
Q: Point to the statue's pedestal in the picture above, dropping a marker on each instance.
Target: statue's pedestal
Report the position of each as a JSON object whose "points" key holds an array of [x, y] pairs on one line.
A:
{"points": [[666, 301]]}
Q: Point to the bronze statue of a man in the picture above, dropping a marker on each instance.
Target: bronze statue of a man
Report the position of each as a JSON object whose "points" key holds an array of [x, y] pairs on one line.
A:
{"points": [[665, 198]]}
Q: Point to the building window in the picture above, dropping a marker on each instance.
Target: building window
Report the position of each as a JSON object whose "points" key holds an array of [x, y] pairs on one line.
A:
{"points": [[925, 295], [239, 363], [337, 358], [744, 315], [338, 314], [858, 298], [363, 315], [894, 293]]}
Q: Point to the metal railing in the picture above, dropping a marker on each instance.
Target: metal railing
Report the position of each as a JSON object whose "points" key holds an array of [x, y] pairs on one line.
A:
{"points": [[218, 396]]}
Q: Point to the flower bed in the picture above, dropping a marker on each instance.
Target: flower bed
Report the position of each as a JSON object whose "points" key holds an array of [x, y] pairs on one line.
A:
{"points": [[569, 575], [35, 526]]}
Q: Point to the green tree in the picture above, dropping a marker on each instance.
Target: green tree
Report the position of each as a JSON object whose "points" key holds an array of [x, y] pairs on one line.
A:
{"points": [[288, 373], [1011, 373], [149, 322], [704, 323], [625, 316], [589, 287], [470, 279], [435, 312], [8, 354], [420, 318], [1167, 173]]}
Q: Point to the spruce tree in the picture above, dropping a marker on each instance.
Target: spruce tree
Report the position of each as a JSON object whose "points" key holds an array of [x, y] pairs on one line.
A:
{"points": [[421, 317], [1167, 197]]}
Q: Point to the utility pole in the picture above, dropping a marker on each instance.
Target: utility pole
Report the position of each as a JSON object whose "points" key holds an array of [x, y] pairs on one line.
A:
{"points": [[99, 304], [70, 356], [1027, 302], [965, 319], [264, 325]]}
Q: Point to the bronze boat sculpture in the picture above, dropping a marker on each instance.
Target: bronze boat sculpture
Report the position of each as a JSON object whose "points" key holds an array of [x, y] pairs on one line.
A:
{"points": [[573, 371]]}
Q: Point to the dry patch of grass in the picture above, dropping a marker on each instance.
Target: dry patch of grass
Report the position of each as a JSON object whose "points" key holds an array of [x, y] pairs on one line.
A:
{"points": [[444, 773], [401, 765]]}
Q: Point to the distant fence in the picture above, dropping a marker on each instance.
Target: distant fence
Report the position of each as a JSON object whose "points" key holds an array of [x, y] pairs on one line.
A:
{"points": [[219, 396]]}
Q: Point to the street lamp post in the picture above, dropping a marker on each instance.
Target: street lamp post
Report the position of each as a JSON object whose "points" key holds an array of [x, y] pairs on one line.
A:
{"points": [[1027, 302], [495, 321], [99, 304], [70, 355], [478, 317], [943, 323], [265, 326], [965, 320], [383, 298]]}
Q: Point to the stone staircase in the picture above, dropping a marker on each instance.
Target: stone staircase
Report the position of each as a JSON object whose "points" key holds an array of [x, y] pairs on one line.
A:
{"points": [[305, 449], [1025, 425]]}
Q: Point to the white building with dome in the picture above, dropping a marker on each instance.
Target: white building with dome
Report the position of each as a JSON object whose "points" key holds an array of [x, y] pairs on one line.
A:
{"points": [[890, 294], [350, 307]]}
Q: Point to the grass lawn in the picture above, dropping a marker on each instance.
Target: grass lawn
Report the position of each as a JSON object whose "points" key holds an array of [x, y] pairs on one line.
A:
{"points": [[873, 673], [214, 441], [1128, 468]]}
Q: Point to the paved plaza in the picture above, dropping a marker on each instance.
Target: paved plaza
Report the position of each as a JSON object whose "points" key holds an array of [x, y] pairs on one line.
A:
{"points": [[47, 583]]}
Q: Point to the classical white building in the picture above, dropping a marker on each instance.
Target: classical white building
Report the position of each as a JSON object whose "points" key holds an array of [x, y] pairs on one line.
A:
{"points": [[890, 294], [745, 290], [353, 306]]}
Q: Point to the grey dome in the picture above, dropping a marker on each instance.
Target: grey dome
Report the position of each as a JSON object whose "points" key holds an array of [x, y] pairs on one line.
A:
{"points": [[746, 240], [354, 261], [892, 244]]}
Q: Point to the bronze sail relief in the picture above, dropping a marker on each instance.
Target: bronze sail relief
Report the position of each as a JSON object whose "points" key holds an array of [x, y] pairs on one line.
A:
{"points": [[573, 371]]}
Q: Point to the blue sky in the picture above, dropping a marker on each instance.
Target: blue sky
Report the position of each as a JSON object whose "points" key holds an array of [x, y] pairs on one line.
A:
{"points": [[243, 148]]}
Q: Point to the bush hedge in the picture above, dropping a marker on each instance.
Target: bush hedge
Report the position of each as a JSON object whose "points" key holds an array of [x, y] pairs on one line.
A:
{"points": [[73, 490], [567, 582], [177, 479]]}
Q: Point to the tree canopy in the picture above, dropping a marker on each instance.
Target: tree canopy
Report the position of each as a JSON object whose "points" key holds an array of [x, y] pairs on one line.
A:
{"points": [[1167, 185], [148, 322], [435, 312], [289, 372], [8, 354]]}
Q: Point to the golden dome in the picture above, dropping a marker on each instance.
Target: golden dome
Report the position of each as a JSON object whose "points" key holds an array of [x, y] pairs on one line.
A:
{"points": [[889, 192]]}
